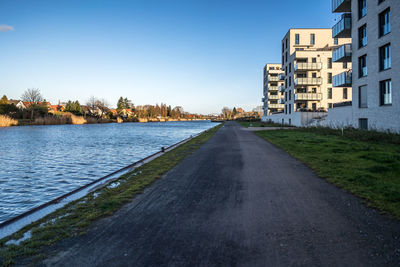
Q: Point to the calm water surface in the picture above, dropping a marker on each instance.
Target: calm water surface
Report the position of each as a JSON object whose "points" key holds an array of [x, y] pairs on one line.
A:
{"points": [[40, 163]]}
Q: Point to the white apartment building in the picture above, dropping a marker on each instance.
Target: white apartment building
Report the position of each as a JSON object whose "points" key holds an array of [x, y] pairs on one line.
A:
{"points": [[308, 71], [376, 98], [271, 94]]}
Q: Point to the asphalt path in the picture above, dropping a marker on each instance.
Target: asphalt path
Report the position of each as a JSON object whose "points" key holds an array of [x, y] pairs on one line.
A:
{"points": [[237, 201]]}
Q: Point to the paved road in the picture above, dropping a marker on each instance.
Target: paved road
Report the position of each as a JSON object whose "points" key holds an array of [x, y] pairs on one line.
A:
{"points": [[238, 201]]}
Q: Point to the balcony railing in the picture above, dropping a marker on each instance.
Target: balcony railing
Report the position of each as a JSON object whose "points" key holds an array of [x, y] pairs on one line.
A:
{"points": [[342, 29], [281, 101], [343, 79], [307, 81], [342, 53], [341, 6], [281, 77], [281, 88], [273, 97], [308, 96], [273, 79], [275, 106], [273, 88], [308, 66]]}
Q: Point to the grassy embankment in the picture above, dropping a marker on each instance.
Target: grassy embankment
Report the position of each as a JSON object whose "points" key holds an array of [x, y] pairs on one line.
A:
{"points": [[365, 163], [74, 218]]}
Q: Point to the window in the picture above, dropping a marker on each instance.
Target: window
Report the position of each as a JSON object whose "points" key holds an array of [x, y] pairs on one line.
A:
{"points": [[314, 75], [286, 98], [314, 60], [385, 57], [290, 94], [344, 93], [312, 39], [336, 41], [286, 56], [386, 92], [283, 59], [313, 90], [344, 65], [330, 63], [362, 66], [362, 36], [362, 97], [363, 124], [329, 93], [290, 80], [286, 43], [290, 108], [330, 105], [362, 8], [380, 1], [329, 77], [384, 22], [290, 67], [283, 47], [297, 39]]}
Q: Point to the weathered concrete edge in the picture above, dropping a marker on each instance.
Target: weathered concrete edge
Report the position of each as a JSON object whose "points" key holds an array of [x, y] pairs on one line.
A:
{"points": [[15, 224]]}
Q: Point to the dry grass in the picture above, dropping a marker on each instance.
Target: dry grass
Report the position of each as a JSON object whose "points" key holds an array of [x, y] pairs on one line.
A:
{"points": [[51, 120], [6, 121], [77, 119], [119, 120]]}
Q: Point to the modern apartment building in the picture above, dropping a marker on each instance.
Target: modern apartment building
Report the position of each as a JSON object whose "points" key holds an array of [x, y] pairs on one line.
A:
{"points": [[308, 71], [272, 95], [376, 38]]}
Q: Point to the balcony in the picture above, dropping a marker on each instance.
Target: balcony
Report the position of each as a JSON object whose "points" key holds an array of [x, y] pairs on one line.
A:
{"points": [[308, 66], [343, 79], [271, 97], [276, 106], [341, 6], [273, 79], [281, 101], [273, 88], [282, 89], [281, 77], [342, 29], [308, 97], [307, 81], [342, 53]]}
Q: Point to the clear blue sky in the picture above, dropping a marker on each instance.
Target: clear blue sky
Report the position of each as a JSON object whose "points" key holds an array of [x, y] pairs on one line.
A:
{"points": [[200, 54]]}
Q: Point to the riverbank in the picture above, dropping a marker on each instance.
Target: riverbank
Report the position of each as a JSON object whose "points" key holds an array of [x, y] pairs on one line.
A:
{"points": [[73, 219], [6, 121], [367, 164]]}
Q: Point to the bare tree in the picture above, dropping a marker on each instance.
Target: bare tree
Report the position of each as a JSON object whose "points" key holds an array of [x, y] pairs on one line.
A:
{"points": [[91, 103], [226, 112], [34, 97], [103, 106]]}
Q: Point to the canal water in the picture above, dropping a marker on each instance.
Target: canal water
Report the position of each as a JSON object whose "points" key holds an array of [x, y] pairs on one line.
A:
{"points": [[40, 163]]}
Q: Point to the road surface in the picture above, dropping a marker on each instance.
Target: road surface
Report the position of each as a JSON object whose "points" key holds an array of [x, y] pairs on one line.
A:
{"points": [[237, 201]]}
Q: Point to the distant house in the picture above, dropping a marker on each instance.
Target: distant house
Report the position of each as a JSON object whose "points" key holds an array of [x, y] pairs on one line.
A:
{"points": [[28, 104], [18, 103], [55, 108], [240, 110]]}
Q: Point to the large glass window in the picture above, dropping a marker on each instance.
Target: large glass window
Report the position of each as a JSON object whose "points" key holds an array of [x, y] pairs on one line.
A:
{"points": [[297, 39], [384, 22], [362, 66], [362, 8], [385, 57], [362, 36], [362, 97], [386, 92]]}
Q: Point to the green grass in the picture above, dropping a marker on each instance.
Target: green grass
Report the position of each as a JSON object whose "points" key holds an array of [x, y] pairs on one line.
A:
{"points": [[367, 164], [74, 218], [261, 124]]}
